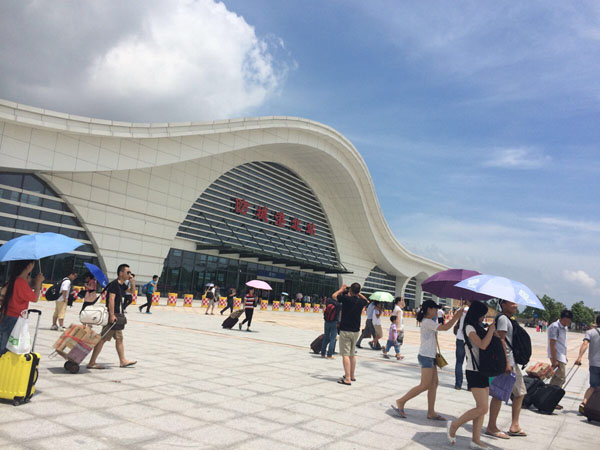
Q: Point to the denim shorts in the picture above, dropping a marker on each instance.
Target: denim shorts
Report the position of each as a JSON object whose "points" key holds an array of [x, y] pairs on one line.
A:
{"points": [[426, 362], [594, 376]]}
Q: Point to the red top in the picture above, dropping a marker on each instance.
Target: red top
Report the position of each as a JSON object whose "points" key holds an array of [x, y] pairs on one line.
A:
{"points": [[21, 296]]}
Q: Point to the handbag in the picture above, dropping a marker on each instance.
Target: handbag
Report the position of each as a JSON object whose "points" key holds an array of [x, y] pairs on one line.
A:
{"points": [[501, 386], [120, 322], [19, 341], [440, 361], [94, 315], [400, 339]]}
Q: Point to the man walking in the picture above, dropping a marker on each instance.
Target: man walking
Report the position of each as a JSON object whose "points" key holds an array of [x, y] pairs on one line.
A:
{"points": [[230, 299], [330, 318], [460, 350], [591, 340], [150, 289], [557, 347], [114, 300], [60, 307], [504, 329], [369, 330], [352, 302]]}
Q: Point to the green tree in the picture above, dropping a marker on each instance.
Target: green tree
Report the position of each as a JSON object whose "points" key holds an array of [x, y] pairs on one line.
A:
{"points": [[551, 312], [582, 315]]}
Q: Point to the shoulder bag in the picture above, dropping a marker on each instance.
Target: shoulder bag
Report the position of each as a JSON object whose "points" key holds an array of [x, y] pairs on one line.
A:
{"points": [[440, 361]]}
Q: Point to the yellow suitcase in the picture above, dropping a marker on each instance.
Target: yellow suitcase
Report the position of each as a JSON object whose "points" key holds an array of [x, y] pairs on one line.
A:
{"points": [[19, 373]]}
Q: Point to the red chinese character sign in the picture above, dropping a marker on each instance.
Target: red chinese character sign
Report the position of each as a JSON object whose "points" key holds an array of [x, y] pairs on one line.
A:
{"points": [[261, 213], [279, 219], [241, 206]]}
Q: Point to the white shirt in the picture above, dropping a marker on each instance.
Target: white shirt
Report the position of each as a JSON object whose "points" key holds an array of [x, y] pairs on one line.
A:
{"points": [[440, 314], [559, 333], [504, 324], [370, 310], [593, 336], [65, 286], [470, 366], [377, 318], [428, 344], [460, 335], [399, 317]]}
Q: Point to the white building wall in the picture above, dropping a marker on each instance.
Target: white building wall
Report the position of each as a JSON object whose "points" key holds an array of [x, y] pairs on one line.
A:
{"points": [[133, 184]]}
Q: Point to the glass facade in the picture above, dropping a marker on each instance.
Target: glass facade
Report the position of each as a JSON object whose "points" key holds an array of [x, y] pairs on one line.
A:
{"points": [[378, 280], [263, 210], [187, 272], [28, 205]]}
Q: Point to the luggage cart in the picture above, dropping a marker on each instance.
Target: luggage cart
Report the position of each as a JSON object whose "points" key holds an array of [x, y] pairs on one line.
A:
{"points": [[77, 354]]}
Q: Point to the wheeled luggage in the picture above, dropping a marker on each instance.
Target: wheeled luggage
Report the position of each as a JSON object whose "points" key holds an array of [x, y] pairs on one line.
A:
{"points": [[19, 373], [591, 410], [316, 344], [531, 384], [548, 396], [75, 344], [232, 319]]}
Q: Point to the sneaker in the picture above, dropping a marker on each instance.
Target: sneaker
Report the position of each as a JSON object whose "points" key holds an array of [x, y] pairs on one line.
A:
{"points": [[240, 326], [54, 327], [62, 329], [323, 355], [148, 312], [248, 330], [386, 356], [140, 308], [330, 357]]}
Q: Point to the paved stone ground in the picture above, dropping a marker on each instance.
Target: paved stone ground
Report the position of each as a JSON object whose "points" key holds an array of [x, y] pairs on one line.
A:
{"points": [[199, 386]]}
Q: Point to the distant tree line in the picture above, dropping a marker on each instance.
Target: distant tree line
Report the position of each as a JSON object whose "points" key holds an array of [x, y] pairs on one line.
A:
{"points": [[582, 315]]}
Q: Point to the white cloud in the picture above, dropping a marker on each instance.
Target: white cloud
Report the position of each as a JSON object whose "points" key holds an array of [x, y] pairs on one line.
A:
{"points": [[165, 61], [580, 277], [518, 158], [573, 225]]}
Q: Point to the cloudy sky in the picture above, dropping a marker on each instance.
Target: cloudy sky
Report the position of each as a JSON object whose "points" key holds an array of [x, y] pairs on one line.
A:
{"points": [[478, 121]]}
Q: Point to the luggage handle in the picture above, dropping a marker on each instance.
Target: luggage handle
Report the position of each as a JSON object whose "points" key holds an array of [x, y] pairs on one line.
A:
{"points": [[567, 378], [37, 325]]}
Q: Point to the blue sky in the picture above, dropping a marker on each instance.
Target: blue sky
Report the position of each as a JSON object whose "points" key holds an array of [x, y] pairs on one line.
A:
{"points": [[478, 121]]}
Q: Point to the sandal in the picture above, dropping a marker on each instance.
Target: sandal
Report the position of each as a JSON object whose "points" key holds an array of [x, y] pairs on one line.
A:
{"points": [[129, 363], [351, 379], [517, 433], [399, 412], [438, 417], [497, 434], [95, 366], [343, 381]]}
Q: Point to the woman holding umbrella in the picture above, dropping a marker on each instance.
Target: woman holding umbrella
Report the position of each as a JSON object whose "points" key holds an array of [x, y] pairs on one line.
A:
{"points": [[249, 304], [15, 297]]}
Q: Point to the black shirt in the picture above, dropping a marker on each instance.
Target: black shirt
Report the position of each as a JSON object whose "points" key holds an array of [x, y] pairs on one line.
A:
{"points": [[352, 306], [114, 287]]}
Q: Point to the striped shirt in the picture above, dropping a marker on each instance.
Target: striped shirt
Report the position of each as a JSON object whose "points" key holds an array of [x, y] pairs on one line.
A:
{"points": [[248, 302]]}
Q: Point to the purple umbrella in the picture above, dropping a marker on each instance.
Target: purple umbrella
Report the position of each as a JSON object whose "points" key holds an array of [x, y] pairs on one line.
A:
{"points": [[443, 283]]}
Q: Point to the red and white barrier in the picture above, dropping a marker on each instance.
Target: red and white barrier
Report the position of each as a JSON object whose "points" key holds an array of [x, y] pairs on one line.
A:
{"points": [[172, 299], [188, 300], [155, 298], [275, 305]]}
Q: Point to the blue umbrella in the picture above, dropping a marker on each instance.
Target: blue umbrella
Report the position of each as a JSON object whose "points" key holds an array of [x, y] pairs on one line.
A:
{"points": [[37, 246], [502, 288], [98, 274]]}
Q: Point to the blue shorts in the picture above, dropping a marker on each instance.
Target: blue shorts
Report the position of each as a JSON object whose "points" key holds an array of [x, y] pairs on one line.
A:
{"points": [[594, 376], [426, 362]]}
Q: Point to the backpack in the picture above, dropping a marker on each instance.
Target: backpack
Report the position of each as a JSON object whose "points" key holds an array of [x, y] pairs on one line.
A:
{"points": [[209, 295], [329, 313], [53, 293], [521, 342], [492, 360], [145, 288]]}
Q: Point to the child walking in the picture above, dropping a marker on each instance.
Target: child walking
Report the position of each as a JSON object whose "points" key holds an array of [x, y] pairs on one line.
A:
{"points": [[393, 340]]}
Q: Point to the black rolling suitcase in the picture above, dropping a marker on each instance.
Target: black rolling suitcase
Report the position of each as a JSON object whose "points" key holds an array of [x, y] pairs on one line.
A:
{"points": [[591, 410], [532, 384], [548, 396], [232, 319], [315, 345]]}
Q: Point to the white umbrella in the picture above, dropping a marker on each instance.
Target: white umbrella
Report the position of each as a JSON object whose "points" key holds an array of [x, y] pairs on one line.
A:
{"points": [[502, 288]]}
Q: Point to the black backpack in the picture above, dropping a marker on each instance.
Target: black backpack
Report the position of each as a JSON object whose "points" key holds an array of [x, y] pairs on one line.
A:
{"points": [[492, 360], [209, 295], [521, 342], [53, 293]]}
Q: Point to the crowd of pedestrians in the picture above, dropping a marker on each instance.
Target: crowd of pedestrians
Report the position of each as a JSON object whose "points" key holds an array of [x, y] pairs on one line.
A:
{"points": [[342, 316]]}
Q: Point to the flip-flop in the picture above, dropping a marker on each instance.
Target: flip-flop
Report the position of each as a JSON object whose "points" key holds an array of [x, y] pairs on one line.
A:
{"points": [[351, 379], [399, 412], [497, 434], [342, 381], [438, 417], [95, 366], [129, 363], [517, 433]]}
